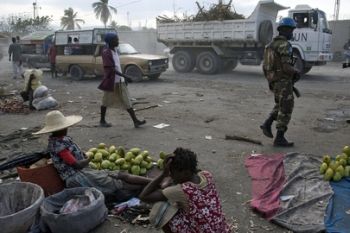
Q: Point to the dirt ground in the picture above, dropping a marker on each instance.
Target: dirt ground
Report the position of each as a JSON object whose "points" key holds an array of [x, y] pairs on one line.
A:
{"points": [[196, 106]]}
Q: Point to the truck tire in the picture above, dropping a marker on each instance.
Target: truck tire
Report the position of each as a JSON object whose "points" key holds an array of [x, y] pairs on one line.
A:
{"points": [[154, 76], [134, 72], [307, 69], [230, 65], [76, 72], [208, 62], [265, 32], [183, 61]]}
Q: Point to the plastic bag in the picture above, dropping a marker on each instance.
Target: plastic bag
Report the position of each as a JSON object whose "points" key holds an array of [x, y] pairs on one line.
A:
{"points": [[77, 203], [45, 103], [40, 92]]}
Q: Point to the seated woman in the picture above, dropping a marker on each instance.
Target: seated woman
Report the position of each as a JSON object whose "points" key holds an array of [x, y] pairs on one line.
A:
{"points": [[194, 194], [32, 80], [71, 162]]}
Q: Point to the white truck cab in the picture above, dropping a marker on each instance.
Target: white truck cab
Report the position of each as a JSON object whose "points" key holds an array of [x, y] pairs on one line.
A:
{"points": [[312, 37], [218, 45]]}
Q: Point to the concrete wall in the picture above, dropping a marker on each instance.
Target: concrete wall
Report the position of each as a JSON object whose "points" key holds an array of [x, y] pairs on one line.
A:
{"points": [[143, 41], [341, 34]]}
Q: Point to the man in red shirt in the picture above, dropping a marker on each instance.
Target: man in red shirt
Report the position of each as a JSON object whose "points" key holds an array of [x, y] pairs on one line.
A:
{"points": [[52, 58]]}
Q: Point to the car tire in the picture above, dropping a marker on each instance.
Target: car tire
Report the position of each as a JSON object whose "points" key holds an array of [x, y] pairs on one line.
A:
{"points": [[154, 76], [208, 62], [134, 72], [183, 61], [76, 72]]}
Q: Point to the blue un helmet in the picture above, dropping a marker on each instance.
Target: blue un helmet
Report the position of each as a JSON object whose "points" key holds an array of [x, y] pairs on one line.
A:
{"points": [[287, 22]]}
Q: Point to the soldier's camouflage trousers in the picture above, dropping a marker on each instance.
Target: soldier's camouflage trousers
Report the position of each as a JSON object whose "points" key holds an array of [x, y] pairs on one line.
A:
{"points": [[284, 103]]}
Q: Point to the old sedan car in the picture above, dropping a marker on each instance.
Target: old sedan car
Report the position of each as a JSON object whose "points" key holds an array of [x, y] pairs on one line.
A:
{"points": [[84, 56]]}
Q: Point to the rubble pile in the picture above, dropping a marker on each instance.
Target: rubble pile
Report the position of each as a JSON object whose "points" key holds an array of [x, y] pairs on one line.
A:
{"points": [[12, 104]]}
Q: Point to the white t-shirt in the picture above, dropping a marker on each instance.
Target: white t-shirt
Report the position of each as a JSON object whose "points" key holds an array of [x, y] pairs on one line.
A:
{"points": [[116, 59]]}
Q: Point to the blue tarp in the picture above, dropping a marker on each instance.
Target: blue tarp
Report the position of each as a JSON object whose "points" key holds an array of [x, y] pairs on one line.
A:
{"points": [[337, 219]]}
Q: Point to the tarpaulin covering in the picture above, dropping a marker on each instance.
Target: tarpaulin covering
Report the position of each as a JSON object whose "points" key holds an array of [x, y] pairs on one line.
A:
{"points": [[289, 190], [338, 211]]}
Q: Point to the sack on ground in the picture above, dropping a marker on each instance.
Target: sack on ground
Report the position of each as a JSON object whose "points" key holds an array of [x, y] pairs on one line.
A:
{"points": [[44, 103], [41, 92], [79, 221]]}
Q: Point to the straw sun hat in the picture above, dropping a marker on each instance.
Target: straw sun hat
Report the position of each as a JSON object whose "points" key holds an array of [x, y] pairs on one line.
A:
{"points": [[55, 121]]}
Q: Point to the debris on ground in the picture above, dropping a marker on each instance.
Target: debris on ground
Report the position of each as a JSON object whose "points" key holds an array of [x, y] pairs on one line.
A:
{"points": [[240, 138], [12, 104]]}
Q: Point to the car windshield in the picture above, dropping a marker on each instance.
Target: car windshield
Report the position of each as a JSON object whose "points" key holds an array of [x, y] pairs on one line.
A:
{"points": [[127, 49]]}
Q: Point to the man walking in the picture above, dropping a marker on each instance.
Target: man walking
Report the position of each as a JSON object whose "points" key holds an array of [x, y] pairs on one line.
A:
{"points": [[52, 58], [281, 75], [15, 52], [115, 91]]}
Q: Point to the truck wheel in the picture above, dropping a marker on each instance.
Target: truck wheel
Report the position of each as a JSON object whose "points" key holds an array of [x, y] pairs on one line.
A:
{"points": [[134, 72], [208, 62], [307, 69], [265, 32], [76, 72], [154, 76], [230, 65], [183, 61]]}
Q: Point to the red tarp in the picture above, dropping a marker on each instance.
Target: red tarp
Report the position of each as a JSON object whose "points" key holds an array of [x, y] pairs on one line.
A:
{"points": [[268, 177]]}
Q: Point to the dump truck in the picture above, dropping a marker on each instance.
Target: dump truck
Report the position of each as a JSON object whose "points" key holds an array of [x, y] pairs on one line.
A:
{"points": [[215, 46]]}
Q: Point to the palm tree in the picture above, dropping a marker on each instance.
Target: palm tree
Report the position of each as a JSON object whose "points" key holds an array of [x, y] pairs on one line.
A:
{"points": [[69, 20], [103, 10], [113, 24]]}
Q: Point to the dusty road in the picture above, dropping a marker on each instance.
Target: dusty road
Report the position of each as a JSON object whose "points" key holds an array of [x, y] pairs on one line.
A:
{"points": [[197, 106]]}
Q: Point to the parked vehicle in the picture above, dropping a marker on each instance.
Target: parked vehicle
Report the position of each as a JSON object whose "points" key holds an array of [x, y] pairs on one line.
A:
{"points": [[79, 54], [34, 49], [214, 46]]}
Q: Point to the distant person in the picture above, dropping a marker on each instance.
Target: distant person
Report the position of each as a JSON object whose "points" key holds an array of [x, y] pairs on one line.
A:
{"points": [[115, 91], [76, 49], [15, 52], [191, 204], [32, 80], [347, 52], [68, 48], [52, 58]]}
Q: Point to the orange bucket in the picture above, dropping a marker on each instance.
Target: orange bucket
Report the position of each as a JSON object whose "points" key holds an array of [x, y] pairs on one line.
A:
{"points": [[46, 177]]}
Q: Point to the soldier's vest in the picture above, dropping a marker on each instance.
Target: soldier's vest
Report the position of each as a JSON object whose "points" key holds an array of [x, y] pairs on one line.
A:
{"points": [[272, 65]]}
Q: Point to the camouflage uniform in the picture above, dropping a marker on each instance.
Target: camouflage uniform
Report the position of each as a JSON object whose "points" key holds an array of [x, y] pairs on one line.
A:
{"points": [[283, 87]]}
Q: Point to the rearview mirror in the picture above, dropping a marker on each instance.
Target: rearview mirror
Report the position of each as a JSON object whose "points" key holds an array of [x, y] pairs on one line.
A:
{"points": [[314, 17]]}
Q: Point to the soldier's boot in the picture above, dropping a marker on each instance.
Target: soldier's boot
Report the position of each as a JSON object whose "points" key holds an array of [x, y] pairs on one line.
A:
{"points": [[281, 141], [266, 126], [137, 122]]}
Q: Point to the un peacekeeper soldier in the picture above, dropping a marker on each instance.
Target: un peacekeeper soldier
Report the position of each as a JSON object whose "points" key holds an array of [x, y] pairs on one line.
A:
{"points": [[281, 84]]}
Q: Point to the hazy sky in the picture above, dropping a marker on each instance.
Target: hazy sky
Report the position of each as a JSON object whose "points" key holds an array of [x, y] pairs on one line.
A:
{"points": [[143, 12]]}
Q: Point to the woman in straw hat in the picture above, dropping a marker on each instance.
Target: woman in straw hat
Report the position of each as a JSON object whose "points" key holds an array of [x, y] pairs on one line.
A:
{"points": [[115, 91], [192, 204], [71, 162]]}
